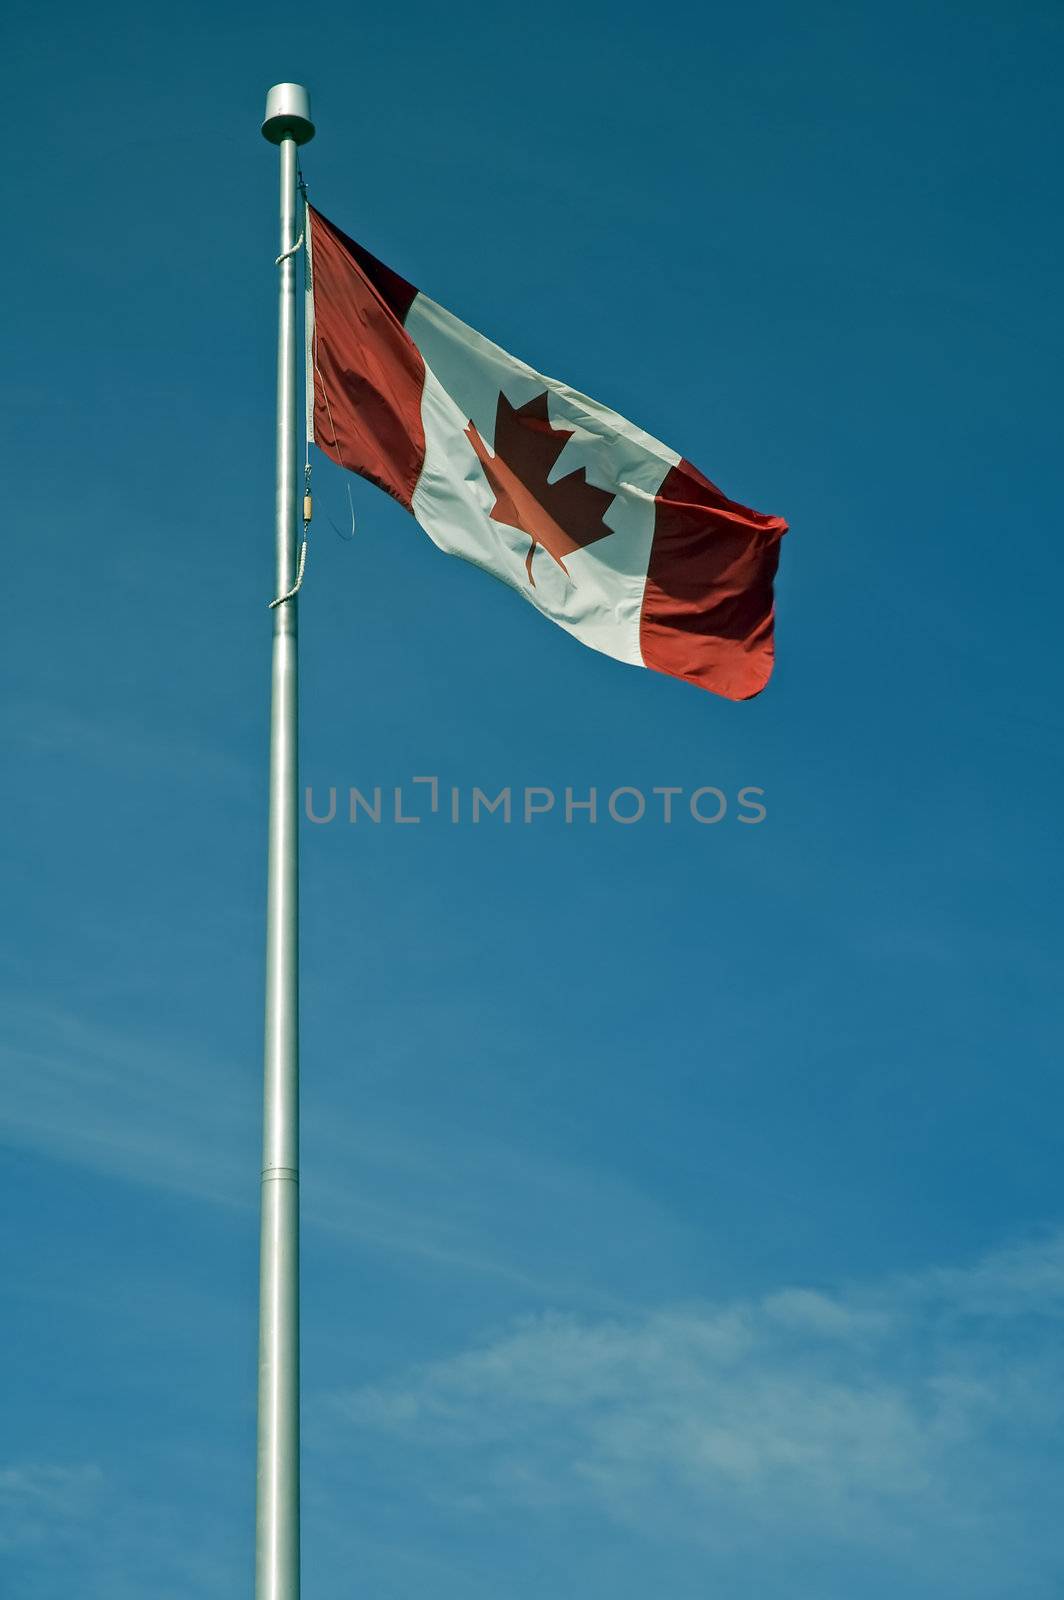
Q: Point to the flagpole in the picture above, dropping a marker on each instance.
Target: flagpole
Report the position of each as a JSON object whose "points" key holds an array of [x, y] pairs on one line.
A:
{"points": [[287, 125]]}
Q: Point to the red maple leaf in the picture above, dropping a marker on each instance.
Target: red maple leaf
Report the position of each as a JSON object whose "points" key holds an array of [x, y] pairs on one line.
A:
{"points": [[562, 516]]}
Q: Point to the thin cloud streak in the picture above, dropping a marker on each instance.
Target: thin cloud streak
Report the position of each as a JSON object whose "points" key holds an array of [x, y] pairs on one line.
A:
{"points": [[42, 1502], [154, 1114]]}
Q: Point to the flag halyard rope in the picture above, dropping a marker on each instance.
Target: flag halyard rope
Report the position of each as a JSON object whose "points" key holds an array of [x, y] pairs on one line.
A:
{"points": [[301, 565], [303, 243], [308, 503], [286, 253]]}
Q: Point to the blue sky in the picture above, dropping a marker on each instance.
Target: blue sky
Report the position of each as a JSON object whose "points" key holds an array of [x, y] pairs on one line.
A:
{"points": [[682, 1208]]}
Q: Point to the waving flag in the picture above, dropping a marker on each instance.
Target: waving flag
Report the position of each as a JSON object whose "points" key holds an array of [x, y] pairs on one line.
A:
{"points": [[605, 530]]}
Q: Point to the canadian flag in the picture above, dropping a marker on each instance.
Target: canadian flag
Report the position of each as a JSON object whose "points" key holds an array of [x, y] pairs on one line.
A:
{"points": [[604, 529]]}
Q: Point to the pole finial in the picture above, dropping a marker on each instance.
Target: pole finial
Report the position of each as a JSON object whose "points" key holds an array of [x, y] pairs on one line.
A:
{"points": [[288, 114]]}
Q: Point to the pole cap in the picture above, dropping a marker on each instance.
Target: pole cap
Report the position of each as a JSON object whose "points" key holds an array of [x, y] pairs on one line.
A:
{"points": [[288, 114]]}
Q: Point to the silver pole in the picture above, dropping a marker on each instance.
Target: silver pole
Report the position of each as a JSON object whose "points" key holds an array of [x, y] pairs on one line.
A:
{"points": [[287, 125]]}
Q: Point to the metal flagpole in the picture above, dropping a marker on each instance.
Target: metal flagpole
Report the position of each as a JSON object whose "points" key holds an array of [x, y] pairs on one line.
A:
{"points": [[287, 125]]}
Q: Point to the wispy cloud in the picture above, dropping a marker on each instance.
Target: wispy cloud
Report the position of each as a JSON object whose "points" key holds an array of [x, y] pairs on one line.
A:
{"points": [[909, 1421], [67, 1528], [41, 1502]]}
